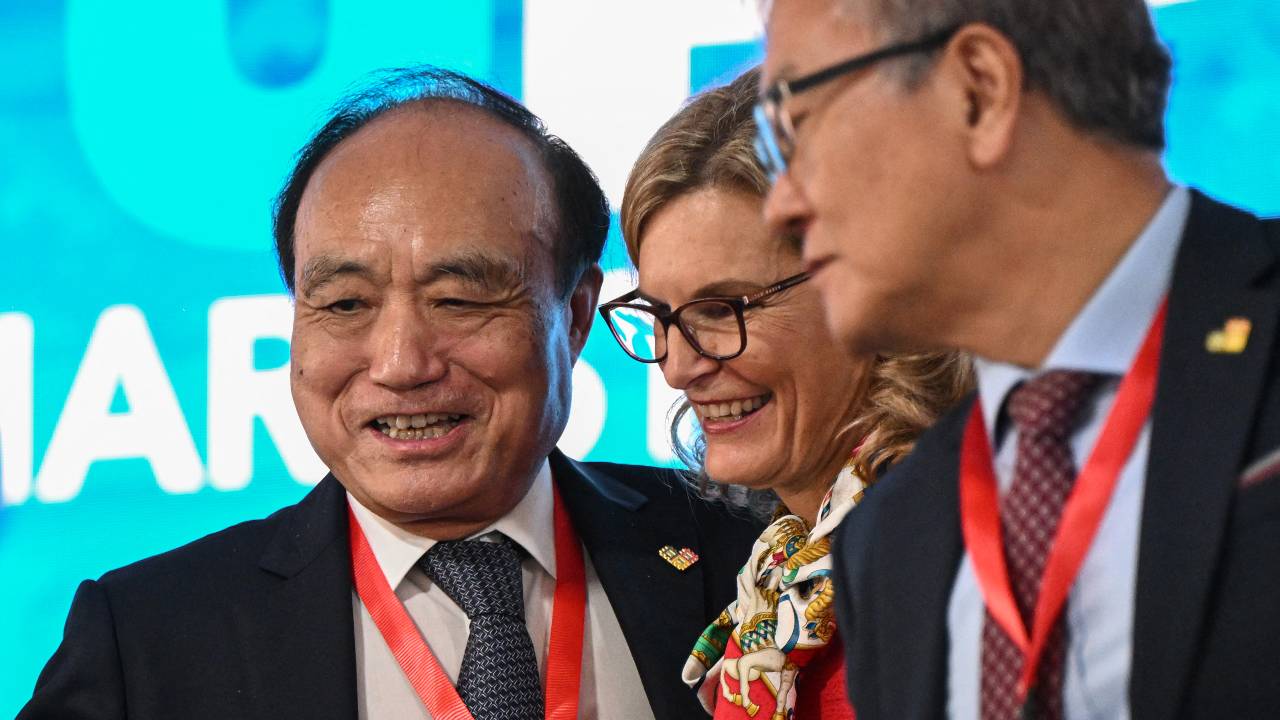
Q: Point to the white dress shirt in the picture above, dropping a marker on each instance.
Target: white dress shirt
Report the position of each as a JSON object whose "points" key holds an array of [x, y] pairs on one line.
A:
{"points": [[1103, 338], [611, 687]]}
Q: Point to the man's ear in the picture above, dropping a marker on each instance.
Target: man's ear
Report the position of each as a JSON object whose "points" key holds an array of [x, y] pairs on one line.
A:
{"points": [[582, 308], [989, 71]]}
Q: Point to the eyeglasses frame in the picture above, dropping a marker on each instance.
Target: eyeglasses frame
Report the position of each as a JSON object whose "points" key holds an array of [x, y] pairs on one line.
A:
{"points": [[774, 126], [739, 303]]}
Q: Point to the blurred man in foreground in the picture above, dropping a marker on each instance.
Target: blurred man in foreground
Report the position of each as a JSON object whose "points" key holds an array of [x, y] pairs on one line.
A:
{"points": [[1094, 533], [441, 247]]}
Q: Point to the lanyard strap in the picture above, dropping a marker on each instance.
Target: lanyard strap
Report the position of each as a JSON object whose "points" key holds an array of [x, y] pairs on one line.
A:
{"points": [[410, 649], [1086, 504]]}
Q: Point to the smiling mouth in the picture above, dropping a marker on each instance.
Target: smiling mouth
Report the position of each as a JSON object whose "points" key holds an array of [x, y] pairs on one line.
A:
{"points": [[417, 427], [731, 410]]}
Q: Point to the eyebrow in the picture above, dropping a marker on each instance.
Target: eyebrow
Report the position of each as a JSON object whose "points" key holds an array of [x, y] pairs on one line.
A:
{"points": [[486, 271], [729, 287], [650, 299], [323, 269]]}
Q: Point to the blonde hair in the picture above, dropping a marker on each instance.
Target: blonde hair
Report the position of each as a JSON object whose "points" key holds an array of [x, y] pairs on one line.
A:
{"points": [[710, 143]]}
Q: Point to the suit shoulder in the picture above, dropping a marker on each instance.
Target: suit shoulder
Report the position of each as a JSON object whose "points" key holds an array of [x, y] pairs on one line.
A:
{"points": [[669, 488], [655, 483], [935, 454], [1272, 227], [228, 550]]}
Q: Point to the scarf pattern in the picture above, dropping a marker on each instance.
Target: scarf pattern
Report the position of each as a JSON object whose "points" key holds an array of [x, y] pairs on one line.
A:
{"points": [[748, 658]]}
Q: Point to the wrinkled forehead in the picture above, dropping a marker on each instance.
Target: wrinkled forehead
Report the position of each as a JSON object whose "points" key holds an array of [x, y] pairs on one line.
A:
{"points": [[440, 177]]}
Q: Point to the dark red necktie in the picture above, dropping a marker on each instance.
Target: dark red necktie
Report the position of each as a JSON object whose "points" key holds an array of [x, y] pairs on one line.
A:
{"points": [[1044, 410]]}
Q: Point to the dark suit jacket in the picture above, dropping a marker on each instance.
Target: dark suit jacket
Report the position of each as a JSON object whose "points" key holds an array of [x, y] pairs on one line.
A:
{"points": [[256, 621], [1206, 633]]}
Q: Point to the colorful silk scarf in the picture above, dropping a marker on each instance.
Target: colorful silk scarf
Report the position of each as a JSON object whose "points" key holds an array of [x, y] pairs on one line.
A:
{"points": [[748, 659]]}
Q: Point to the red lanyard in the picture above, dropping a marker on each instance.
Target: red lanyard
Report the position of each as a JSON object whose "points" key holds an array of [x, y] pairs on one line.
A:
{"points": [[564, 651], [1087, 503]]}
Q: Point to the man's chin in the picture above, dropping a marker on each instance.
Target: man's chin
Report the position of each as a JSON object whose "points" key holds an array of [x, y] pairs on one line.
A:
{"points": [[858, 332], [442, 496], [424, 504]]}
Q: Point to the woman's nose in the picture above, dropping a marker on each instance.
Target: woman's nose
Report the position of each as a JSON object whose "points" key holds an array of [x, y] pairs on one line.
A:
{"points": [[683, 364]]}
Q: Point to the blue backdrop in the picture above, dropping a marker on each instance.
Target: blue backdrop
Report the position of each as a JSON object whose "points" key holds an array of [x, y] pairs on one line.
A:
{"points": [[143, 330]]}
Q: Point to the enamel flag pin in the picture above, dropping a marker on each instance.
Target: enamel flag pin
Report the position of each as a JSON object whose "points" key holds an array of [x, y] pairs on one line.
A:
{"points": [[1231, 339], [680, 559]]}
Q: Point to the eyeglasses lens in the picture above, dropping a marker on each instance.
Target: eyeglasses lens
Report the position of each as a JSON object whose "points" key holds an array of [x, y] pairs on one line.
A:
{"points": [[767, 150], [636, 330], [714, 327]]}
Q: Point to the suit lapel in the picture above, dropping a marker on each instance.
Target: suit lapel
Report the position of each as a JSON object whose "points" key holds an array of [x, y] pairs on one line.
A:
{"points": [[1203, 414], [661, 610], [298, 638], [920, 548]]}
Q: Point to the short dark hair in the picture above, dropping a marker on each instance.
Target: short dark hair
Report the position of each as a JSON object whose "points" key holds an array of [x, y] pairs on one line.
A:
{"points": [[583, 209], [1099, 61]]}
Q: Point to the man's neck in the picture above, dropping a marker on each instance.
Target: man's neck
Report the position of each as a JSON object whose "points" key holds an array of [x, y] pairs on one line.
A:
{"points": [[1051, 252], [456, 524], [444, 530]]}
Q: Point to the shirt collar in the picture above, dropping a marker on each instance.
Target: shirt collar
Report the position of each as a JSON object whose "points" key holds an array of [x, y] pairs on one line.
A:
{"points": [[1105, 336], [529, 525]]}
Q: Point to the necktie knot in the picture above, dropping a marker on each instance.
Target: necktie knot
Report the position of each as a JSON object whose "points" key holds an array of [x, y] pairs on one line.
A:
{"points": [[482, 578], [1049, 404]]}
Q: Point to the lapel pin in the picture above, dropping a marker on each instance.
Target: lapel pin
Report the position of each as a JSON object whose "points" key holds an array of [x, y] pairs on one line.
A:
{"points": [[1231, 339], [680, 559]]}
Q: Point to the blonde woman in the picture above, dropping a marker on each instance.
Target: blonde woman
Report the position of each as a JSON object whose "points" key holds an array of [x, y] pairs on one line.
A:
{"points": [[725, 310]]}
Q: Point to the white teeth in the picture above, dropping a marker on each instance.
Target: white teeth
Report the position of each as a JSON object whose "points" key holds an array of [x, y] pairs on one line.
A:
{"points": [[417, 427], [732, 410]]}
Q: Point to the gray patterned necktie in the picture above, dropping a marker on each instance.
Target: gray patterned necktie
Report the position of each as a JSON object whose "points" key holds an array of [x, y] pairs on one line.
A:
{"points": [[499, 678]]}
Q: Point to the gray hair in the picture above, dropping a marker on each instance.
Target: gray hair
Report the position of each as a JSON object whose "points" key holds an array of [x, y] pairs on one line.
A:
{"points": [[1099, 61]]}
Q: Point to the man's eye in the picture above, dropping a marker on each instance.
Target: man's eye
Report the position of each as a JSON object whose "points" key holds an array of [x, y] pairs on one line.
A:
{"points": [[455, 303], [346, 306]]}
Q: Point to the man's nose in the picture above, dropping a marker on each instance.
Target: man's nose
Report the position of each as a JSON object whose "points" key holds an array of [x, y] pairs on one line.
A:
{"points": [[405, 350], [683, 365], [786, 210]]}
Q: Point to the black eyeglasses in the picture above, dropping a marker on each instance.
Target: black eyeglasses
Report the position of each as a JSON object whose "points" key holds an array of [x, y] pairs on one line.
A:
{"points": [[776, 133], [713, 326]]}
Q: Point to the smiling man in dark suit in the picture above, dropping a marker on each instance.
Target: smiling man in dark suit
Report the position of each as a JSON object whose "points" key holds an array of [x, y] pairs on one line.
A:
{"points": [[1095, 532], [442, 249]]}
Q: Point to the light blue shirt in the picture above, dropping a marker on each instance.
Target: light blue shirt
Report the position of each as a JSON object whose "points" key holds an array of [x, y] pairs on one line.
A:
{"points": [[1103, 338]]}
